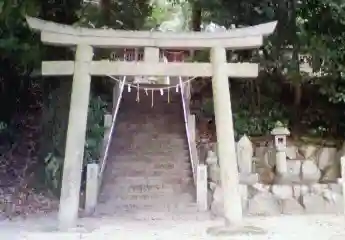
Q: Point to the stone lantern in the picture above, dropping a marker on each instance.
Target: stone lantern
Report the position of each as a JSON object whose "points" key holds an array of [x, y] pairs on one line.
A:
{"points": [[280, 133]]}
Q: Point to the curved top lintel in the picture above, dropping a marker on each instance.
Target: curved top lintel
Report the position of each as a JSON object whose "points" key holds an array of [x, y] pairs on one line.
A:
{"points": [[71, 32]]}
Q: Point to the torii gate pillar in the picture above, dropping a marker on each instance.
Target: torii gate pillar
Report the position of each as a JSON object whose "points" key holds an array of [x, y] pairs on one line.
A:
{"points": [[225, 137], [74, 153]]}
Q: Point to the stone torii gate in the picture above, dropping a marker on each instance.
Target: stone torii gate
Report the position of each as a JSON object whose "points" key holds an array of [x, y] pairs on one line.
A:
{"points": [[84, 67]]}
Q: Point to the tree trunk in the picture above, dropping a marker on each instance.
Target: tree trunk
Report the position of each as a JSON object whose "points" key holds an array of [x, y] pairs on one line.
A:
{"points": [[196, 16], [295, 61], [105, 9]]}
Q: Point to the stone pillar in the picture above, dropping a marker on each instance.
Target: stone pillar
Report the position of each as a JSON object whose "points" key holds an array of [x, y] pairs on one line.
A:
{"points": [[245, 161], [91, 188], [342, 165], [201, 187], [225, 137], [151, 55], [245, 155], [279, 133], [108, 120], [71, 178]]}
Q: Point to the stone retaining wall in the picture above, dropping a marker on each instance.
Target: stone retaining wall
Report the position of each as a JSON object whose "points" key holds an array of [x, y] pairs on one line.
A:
{"points": [[304, 162], [271, 200], [311, 184]]}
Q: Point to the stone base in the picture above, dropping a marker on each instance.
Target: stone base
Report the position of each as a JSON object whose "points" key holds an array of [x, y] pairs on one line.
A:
{"points": [[232, 230]]}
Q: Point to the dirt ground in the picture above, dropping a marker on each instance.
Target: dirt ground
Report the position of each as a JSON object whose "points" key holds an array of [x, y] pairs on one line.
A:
{"points": [[323, 227]]}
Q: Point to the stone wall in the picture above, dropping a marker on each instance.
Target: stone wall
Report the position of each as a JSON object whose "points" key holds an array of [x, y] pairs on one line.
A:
{"points": [[305, 163], [272, 200], [311, 184]]}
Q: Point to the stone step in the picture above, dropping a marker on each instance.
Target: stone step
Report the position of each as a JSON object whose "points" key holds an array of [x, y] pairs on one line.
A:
{"points": [[147, 144], [145, 173], [152, 173], [167, 134], [158, 155], [149, 154], [152, 180], [152, 148], [146, 159], [141, 215], [116, 167], [127, 197], [153, 199], [161, 187], [141, 188], [139, 165], [171, 215], [144, 156], [119, 195], [144, 162], [177, 208], [173, 135], [148, 113], [149, 171], [150, 121], [160, 134]]}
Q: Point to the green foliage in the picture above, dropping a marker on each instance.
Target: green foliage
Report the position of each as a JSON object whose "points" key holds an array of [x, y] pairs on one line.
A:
{"points": [[250, 122], [19, 54], [159, 14], [55, 136], [53, 172], [207, 108], [95, 130], [313, 29], [260, 124], [130, 15]]}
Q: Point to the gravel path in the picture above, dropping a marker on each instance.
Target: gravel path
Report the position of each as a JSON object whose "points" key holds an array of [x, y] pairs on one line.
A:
{"points": [[323, 227]]}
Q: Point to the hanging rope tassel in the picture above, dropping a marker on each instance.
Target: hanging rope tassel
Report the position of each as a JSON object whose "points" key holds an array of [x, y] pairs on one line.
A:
{"points": [[129, 88], [162, 92], [146, 92], [138, 97], [152, 98], [177, 88]]}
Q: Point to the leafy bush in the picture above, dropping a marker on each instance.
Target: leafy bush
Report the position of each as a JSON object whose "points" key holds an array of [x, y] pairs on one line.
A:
{"points": [[95, 130], [55, 126], [249, 122], [257, 124]]}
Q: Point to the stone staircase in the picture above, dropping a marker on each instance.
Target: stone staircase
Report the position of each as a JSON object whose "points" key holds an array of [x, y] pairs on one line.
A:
{"points": [[148, 172]]}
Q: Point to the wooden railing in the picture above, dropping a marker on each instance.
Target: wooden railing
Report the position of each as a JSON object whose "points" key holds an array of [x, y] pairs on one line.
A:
{"points": [[95, 171]]}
